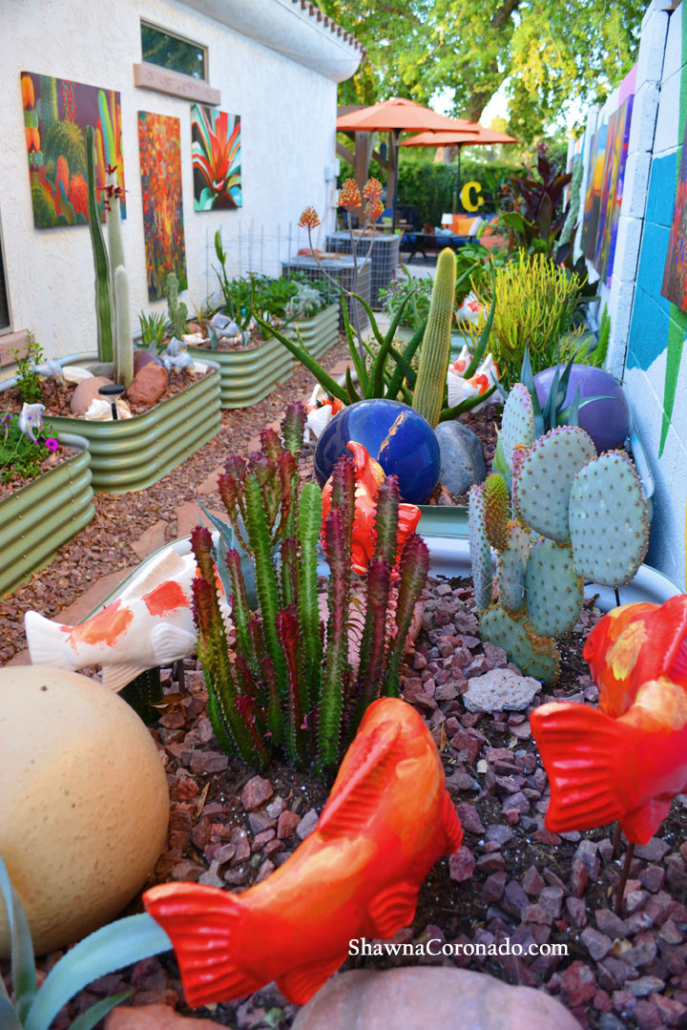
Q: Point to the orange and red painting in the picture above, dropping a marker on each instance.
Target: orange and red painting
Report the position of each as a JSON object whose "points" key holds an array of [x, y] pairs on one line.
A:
{"points": [[56, 114], [163, 212]]}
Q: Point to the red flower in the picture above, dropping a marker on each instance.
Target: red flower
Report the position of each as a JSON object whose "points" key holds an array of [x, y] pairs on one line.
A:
{"points": [[375, 210], [309, 218], [349, 195], [372, 189]]}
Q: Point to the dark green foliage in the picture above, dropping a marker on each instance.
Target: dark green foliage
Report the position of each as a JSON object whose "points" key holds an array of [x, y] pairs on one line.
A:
{"points": [[537, 225], [430, 187], [28, 382], [282, 689], [20, 457]]}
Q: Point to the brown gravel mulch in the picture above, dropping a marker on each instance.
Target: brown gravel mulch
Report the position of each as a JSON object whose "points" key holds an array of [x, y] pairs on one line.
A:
{"points": [[511, 880], [104, 546]]}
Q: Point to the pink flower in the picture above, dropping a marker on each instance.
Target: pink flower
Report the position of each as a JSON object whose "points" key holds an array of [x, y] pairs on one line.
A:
{"points": [[52, 444]]}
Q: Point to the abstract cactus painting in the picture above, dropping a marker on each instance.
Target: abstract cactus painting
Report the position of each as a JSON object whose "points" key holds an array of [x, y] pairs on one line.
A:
{"points": [[163, 213], [216, 151], [674, 286], [56, 113]]}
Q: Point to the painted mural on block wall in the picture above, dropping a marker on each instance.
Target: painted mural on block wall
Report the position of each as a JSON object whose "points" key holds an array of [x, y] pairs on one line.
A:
{"points": [[615, 160], [674, 286], [593, 197], [56, 114], [216, 155], [163, 213]]}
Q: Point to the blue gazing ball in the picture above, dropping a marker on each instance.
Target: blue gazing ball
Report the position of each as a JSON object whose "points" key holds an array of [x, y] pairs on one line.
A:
{"points": [[400, 439]]}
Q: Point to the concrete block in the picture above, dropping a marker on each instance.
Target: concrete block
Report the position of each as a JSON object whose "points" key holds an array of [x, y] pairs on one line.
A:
{"points": [[627, 244], [667, 122], [672, 56], [620, 310], [661, 199], [644, 113], [636, 186], [652, 46]]}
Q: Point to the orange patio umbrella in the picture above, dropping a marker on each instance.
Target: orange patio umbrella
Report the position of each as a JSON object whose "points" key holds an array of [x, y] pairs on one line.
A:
{"points": [[398, 115], [476, 135]]}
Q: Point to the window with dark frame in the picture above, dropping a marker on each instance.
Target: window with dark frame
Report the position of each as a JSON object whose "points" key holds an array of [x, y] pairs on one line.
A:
{"points": [[173, 52]]}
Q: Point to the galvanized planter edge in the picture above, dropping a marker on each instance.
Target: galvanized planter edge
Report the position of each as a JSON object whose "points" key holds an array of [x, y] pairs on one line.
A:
{"points": [[39, 518]]}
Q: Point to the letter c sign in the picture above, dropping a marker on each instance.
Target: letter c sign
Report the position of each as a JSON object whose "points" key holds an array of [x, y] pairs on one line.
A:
{"points": [[469, 201]]}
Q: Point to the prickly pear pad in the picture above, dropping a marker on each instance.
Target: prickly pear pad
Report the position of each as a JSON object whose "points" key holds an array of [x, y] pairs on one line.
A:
{"points": [[480, 551], [517, 424], [510, 573], [535, 656], [554, 592], [546, 477], [609, 527], [496, 506]]}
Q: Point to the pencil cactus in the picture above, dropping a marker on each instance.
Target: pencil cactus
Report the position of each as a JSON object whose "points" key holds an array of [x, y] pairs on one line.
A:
{"points": [[436, 343], [284, 684], [591, 519]]}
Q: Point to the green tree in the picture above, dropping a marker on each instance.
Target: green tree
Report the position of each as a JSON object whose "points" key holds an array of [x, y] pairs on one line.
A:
{"points": [[549, 53]]}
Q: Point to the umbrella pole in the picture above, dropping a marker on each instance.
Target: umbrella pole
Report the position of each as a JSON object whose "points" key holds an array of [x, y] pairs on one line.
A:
{"points": [[460, 202], [397, 134]]}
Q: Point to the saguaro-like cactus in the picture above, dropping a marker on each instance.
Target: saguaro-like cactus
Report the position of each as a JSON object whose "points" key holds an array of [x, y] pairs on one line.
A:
{"points": [[436, 344], [103, 307]]}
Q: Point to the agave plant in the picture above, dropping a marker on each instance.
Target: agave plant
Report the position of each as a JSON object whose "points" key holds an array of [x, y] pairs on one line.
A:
{"points": [[120, 944], [285, 684]]}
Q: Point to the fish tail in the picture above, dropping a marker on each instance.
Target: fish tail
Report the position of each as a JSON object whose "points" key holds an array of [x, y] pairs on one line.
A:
{"points": [[46, 642], [582, 749], [201, 923]]}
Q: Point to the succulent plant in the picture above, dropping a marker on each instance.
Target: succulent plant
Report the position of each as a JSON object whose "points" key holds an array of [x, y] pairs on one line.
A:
{"points": [[436, 344], [286, 685], [575, 516], [176, 310]]}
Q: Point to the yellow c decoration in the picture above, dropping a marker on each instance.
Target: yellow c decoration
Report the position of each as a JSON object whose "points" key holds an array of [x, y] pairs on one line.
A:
{"points": [[469, 202]]}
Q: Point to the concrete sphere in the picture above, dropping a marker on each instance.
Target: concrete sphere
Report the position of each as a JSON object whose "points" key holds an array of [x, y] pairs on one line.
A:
{"points": [[84, 803]]}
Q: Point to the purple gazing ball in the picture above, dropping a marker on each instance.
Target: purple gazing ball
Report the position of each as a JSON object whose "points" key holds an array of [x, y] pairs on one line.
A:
{"points": [[607, 420]]}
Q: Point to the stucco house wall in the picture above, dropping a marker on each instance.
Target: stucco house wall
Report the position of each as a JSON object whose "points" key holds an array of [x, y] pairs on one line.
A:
{"points": [[288, 116]]}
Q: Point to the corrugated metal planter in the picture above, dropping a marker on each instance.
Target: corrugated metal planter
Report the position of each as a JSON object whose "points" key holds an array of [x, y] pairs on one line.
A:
{"points": [[320, 332], [134, 453], [248, 376], [37, 519], [439, 520]]}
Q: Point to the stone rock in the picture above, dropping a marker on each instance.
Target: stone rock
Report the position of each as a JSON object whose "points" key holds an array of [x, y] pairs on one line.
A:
{"points": [[461, 864], [154, 1017], [148, 386], [462, 457], [143, 358], [445, 999], [85, 393], [499, 690], [256, 791]]}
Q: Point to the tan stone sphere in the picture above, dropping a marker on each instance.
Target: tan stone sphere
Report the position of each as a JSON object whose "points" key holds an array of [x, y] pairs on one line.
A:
{"points": [[84, 803]]}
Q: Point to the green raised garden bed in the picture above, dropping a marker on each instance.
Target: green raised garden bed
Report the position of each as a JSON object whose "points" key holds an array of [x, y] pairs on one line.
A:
{"points": [[248, 376], [319, 333], [134, 453], [41, 516]]}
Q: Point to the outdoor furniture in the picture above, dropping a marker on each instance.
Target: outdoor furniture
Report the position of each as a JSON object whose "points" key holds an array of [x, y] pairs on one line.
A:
{"points": [[431, 243]]}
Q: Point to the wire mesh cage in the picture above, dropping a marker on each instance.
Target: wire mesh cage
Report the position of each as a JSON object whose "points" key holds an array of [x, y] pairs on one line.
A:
{"points": [[383, 257], [340, 267]]}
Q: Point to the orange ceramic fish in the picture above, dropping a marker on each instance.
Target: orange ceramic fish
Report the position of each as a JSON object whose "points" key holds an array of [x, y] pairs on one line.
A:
{"points": [[388, 819], [626, 759], [369, 475]]}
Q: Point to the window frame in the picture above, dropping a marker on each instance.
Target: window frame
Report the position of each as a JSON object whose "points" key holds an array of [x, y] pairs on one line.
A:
{"points": [[7, 329], [144, 23]]}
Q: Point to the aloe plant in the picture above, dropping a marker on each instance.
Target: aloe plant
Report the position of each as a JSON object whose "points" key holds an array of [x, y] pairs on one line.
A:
{"points": [[120, 944], [285, 685]]}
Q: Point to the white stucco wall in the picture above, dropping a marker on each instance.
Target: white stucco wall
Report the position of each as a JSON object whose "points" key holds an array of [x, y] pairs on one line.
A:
{"points": [[288, 116]]}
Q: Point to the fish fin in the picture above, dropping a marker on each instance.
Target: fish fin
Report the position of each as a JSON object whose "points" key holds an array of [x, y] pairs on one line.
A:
{"points": [[581, 749], [452, 827], [169, 565], [116, 677], [392, 908], [170, 642], [641, 824], [299, 985], [46, 641], [201, 923], [368, 768]]}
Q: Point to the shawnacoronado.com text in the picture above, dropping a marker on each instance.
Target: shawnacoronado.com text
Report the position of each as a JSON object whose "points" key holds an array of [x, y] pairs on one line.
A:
{"points": [[438, 948]]}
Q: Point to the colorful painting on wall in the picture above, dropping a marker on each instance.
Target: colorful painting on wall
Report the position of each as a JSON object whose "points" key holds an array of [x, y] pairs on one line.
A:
{"points": [[674, 286], [56, 113], [163, 212], [593, 198], [216, 153], [617, 144]]}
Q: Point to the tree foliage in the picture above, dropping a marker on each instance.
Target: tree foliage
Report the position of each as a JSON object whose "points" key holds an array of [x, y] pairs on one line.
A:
{"points": [[548, 52]]}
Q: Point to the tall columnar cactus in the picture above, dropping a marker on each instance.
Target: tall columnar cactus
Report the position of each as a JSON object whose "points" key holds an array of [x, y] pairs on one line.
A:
{"points": [[576, 516], [103, 306], [123, 342], [436, 344], [177, 310], [286, 684]]}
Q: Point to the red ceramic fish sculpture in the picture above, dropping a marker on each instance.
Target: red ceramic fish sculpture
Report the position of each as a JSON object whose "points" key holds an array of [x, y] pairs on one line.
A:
{"points": [[369, 475], [388, 819], [626, 759]]}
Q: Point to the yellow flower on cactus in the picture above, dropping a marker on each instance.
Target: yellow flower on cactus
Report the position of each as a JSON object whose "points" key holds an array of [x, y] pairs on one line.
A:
{"points": [[349, 195], [372, 189], [309, 218]]}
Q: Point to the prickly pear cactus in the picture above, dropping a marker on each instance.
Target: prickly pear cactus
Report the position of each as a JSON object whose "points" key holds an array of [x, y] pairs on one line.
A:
{"points": [[535, 656], [545, 478], [609, 525], [496, 507], [511, 569], [480, 551], [517, 423], [554, 591]]}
